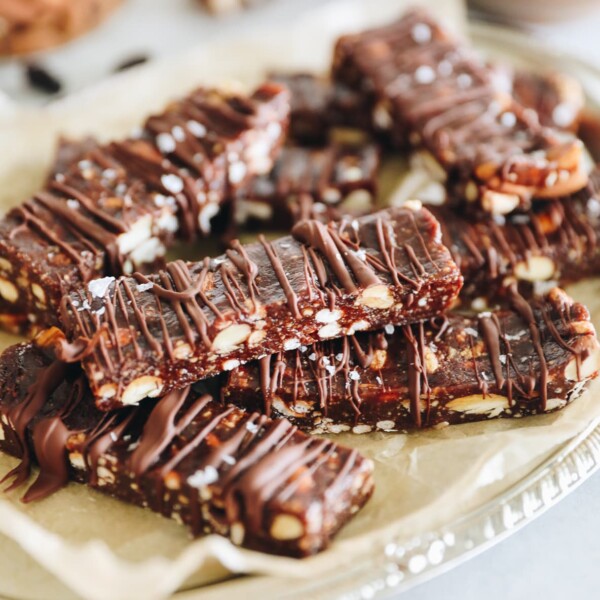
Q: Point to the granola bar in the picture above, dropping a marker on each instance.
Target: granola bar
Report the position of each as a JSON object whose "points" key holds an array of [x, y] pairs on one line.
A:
{"points": [[523, 360], [340, 176], [117, 207], [432, 91], [319, 105], [143, 336], [556, 241], [214, 468]]}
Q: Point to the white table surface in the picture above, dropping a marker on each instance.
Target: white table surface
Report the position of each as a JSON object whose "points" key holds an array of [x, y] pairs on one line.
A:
{"points": [[555, 557]]}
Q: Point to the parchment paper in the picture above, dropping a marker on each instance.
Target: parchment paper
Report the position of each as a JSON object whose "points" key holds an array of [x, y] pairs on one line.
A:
{"points": [[79, 543]]}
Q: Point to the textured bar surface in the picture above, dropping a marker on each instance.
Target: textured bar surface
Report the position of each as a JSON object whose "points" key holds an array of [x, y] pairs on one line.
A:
{"points": [[514, 362], [145, 336], [215, 468], [116, 207], [557, 98], [556, 241], [319, 105], [433, 91], [340, 176]]}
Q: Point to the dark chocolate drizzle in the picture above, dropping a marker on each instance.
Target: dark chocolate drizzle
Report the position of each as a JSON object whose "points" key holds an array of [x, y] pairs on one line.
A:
{"points": [[107, 197], [192, 303], [340, 374], [254, 464], [441, 96]]}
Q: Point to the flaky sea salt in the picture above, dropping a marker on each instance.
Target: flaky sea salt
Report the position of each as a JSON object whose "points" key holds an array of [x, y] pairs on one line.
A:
{"points": [[98, 287]]}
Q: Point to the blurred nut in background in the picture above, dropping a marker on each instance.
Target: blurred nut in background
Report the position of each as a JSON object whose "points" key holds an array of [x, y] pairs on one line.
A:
{"points": [[30, 25]]}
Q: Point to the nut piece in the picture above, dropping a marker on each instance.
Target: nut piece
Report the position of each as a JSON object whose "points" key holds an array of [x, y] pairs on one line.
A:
{"points": [[381, 116], [471, 191], [105, 476], [499, 203], [256, 337], [588, 367], [423, 159], [38, 292], [182, 351], [142, 387], [231, 337], [485, 171], [107, 391], [359, 429], [286, 527], [325, 315], [5, 265], [298, 409], [140, 232], [431, 360], [357, 202], [8, 290], [330, 330], [236, 533], [77, 461], [379, 358], [535, 268], [582, 328], [492, 405], [376, 296]]}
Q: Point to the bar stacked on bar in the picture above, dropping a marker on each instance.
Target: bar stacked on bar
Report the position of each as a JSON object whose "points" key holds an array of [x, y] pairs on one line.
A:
{"points": [[523, 360], [118, 206], [554, 242], [216, 468], [140, 336], [324, 183], [429, 88]]}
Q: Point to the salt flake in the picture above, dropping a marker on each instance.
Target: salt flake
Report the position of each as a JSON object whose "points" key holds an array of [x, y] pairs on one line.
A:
{"points": [[98, 287]]}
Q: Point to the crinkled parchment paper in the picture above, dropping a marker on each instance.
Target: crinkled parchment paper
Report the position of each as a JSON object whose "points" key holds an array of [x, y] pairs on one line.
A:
{"points": [[79, 543]]}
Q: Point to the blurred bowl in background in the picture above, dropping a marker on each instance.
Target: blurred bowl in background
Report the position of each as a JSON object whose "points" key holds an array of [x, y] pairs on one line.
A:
{"points": [[536, 11]]}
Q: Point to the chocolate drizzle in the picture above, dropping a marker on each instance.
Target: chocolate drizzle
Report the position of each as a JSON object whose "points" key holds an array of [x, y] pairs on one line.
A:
{"points": [[415, 375], [433, 91], [181, 318], [564, 233], [254, 467], [110, 209], [22, 414]]}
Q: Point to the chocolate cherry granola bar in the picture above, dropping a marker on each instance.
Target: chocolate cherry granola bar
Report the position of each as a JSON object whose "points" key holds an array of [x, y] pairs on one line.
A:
{"points": [[337, 175], [432, 90], [143, 336], [523, 360], [215, 468], [319, 105], [556, 241], [116, 207]]}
